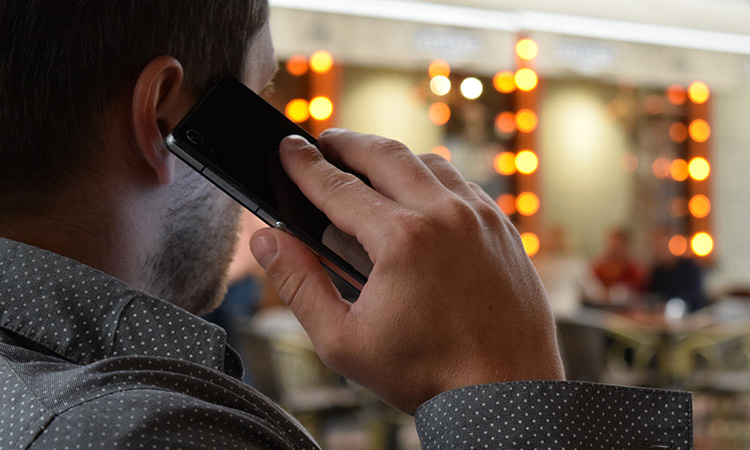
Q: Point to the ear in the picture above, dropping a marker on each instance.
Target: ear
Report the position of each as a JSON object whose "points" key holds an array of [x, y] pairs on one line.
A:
{"points": [[159, 102]]}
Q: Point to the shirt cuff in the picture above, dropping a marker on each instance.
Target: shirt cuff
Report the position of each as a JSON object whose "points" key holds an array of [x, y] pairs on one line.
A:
{"points": [[556, 415]]}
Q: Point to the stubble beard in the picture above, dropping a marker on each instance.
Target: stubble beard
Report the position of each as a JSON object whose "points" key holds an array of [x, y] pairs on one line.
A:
{"points": [[189, 265]]}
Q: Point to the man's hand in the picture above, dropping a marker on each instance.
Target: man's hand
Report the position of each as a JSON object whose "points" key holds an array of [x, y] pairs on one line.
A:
{"points": [[452, 299]]}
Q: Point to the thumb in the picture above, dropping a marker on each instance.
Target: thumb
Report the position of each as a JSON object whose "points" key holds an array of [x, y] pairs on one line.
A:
{"points": [[300, 280]]}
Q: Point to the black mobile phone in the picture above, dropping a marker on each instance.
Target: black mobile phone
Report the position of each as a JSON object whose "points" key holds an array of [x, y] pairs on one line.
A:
{"points": [[232, 138]]}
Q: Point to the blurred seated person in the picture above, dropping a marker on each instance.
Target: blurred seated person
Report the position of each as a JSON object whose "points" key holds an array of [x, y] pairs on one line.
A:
{"points": [[566, 275], [621, 275], [674, 276]]}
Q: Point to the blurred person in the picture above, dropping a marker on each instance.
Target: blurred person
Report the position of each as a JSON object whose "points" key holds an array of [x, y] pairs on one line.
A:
{"points": [[621, 275], [674, 277], [110, 246]]}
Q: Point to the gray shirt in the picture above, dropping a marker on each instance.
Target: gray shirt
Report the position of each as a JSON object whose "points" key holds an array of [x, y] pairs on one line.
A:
{"points": [[87, 362]]}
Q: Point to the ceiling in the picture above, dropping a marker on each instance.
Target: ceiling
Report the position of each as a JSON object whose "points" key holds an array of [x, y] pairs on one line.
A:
{"points": [[731, 16], [712, 25]]}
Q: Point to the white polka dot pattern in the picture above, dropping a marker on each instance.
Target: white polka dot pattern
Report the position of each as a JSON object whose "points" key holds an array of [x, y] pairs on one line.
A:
{"points": [[558, 416], [87, 362]]}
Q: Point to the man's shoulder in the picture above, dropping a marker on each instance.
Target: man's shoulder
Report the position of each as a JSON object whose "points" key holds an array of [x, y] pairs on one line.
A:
{"points": [[119, 399], [57, 385]]}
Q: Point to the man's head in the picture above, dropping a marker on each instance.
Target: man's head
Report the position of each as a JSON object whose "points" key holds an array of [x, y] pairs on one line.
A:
{"points": [[89, 90], [63, 63]]}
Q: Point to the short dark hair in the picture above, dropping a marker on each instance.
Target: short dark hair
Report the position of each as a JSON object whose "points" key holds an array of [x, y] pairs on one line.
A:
{"points": [[64, 62]]}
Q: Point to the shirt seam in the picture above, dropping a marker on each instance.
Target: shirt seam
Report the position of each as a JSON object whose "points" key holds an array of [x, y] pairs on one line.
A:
{"points": [[40, 417]]}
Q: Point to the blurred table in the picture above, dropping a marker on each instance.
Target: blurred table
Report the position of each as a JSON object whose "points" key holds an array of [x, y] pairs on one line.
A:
{"points": [[657, 351]]}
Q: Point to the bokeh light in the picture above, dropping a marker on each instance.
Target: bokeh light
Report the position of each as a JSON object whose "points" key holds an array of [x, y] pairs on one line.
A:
{"points": [[699, 169], [700, 206], [440, 85], [526, 79], [472, 88], [698, 92], [661, 167], [505, 163], [699, 130], [679, 170], [526, 120], [530, 243], [321, 62], [442, 151], [678, 245], [527, 49], [440, 113], [505, 122], [297, 65], [527, 203], [678, 132], [702, 244], [507, 204], [504, 82], [321, 108], [298, 110], [439, 68], [527, 162], [676, 95]]}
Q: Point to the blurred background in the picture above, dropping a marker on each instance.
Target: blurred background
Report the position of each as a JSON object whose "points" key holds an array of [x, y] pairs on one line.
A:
{"points": [[614, 134]]}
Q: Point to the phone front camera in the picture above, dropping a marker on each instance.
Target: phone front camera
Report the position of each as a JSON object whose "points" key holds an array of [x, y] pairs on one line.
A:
{"points": [[195, 137]]}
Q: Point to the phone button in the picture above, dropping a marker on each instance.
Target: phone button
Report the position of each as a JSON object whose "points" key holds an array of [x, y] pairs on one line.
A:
{"points": [[281, 226], [231, 190], [267, 218]]}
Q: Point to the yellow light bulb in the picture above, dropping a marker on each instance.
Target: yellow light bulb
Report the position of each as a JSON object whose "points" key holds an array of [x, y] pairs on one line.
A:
{"points": [[527, 49], [702, 244], [297, 110], [321, 108], [321, 62], [526, 79], [530, 243], [527, 162]]}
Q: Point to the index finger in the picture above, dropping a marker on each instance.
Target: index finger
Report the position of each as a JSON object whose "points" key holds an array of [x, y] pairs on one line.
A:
{"points": [[393, 170], [347, 201]]}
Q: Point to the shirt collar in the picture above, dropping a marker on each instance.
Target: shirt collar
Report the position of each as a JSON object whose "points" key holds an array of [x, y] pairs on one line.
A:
{"points": [[85, 315]]}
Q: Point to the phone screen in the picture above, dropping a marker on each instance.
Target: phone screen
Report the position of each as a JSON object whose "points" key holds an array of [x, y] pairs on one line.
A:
{"points": [[232, 137]]}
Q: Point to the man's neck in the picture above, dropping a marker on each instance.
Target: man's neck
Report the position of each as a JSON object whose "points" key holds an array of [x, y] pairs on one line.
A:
{"points": [[91, 236]]}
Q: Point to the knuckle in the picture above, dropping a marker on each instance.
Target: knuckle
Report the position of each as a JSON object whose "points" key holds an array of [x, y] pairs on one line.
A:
{"points": [[388, 146], [475, 187], [339, 182], [488, 212], [455, 209], [432, 159], [441, 167]]}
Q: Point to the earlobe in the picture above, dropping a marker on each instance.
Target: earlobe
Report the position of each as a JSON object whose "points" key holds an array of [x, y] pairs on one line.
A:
{"points": [[159, 102]]}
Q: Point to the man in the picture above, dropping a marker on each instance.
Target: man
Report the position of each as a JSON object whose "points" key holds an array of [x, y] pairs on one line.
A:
{"points": [[99, 221]]}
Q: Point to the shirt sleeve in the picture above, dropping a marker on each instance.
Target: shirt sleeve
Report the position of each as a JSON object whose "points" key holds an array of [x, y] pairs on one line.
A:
{"points": [[556, 415]]}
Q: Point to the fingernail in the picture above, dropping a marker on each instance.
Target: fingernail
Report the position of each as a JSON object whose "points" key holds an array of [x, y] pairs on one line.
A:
{"points": [[294, 142], [264, 248]]}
